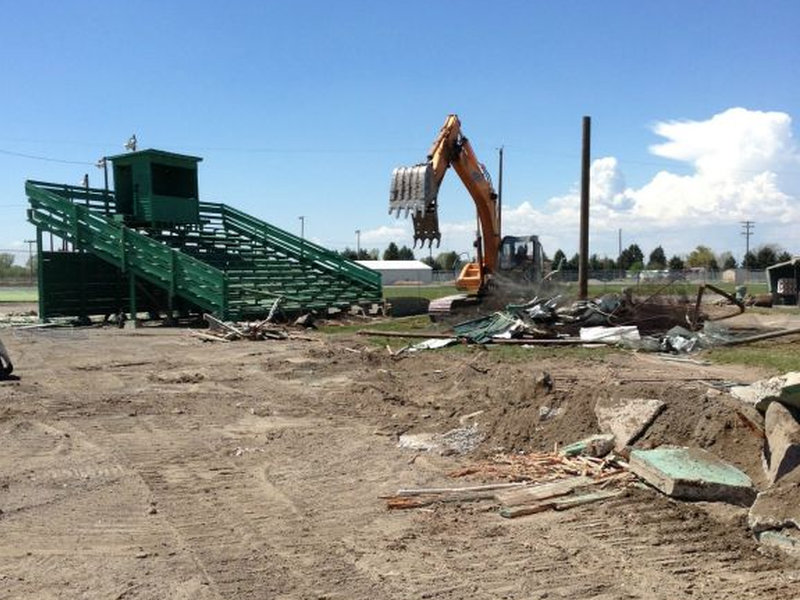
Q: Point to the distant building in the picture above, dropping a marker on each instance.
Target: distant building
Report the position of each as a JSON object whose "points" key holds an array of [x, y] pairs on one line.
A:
{"points": [[784, 281], [400, 271]]}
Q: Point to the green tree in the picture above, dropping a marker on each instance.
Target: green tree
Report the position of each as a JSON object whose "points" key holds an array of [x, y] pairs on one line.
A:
{"points": [[658, 260], [349, 254], [6, 262], [428, 260], [446, 261], [558, 258], [632, 254], [405, 253], [702, 256], [676, 263], [749, 261], [782, 257], [727, 260], [572, 263], [392, 252], [766, 255]]}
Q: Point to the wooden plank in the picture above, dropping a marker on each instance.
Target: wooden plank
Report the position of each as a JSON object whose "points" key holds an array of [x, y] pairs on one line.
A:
{"points": [[512, 512], [581, 499], [458, 490], [542, 491]]}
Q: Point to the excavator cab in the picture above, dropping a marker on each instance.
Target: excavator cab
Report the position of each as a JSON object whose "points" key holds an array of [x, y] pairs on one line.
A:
{"points": [[521, 258]]}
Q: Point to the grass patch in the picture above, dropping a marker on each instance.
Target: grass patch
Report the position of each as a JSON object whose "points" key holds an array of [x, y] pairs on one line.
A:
{"points": [[777, 356], [415, 323], [431, 292], [19, 294]]}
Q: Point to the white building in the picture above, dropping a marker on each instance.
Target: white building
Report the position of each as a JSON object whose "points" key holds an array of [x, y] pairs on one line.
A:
{"points": [[396, 271]]}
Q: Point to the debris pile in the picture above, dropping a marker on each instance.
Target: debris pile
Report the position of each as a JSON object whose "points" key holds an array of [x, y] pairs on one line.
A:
{"points": [[603, 465], [655, 324], [221, 331], [528, 483]]}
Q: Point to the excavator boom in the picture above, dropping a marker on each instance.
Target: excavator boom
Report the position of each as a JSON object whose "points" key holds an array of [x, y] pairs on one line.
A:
{"points": [[415, 190]]}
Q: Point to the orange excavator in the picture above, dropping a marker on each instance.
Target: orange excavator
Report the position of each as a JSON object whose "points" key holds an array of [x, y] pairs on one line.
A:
{"points": [[415, 190]]}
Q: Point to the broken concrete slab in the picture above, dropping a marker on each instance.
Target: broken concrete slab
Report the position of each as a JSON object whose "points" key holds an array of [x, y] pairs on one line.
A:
{"points": [[777, 507], [784, 388], [782, 448], [787, 540], [692, 474], [626, 418], [595, 445]]}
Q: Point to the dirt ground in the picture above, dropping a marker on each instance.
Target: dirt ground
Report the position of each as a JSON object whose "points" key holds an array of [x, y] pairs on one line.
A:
{"points": [[148, 464]]}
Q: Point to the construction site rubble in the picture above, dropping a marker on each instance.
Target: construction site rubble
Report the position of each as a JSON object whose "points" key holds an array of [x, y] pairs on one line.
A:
{"points": [[654, 324], [456, 441], [601, 466], [6, 366], [784, 388], [626, 418], [527, 483], [782, 443], [227, 331], [777, 508], [692, 474]]}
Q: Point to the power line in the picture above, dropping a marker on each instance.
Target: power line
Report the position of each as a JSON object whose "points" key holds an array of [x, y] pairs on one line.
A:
{"points": [[747, 231], [46, 158]]}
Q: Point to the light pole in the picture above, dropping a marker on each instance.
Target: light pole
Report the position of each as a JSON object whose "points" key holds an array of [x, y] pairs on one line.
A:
{"points": [[302, 234], [358, 244], [30, 255]]}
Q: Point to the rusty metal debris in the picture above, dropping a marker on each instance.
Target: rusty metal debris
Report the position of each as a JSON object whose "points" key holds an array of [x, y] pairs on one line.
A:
{"points": [[656, 324]]}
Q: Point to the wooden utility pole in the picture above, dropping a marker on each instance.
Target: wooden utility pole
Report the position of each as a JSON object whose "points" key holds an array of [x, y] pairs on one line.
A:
{"points": [[583, 252]]}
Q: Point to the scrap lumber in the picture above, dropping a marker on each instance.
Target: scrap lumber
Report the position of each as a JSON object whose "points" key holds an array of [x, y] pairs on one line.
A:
{"points": [[215, 323], [403, 334], [447, 490], [208, 338], [542, 491], [572, 501]]}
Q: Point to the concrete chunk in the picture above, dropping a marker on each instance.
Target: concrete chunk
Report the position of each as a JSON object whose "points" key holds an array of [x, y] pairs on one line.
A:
{"points": [[692, 474], [626, 418], [595, 445], [787, 540], [782, 451], [785, 388], [778, 506]]}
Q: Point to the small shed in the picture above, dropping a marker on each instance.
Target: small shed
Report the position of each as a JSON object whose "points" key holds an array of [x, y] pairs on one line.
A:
{"points": [[397, 271], [783, 280], [156, 187]]}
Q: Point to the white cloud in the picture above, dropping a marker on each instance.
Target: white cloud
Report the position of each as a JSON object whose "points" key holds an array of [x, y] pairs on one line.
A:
{"points": [[385, 234]]}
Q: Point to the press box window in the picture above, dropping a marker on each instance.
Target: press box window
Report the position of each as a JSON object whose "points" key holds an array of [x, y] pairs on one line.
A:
{"points": [[177, 182]]}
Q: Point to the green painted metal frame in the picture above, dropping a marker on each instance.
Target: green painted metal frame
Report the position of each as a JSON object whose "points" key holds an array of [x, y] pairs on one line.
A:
{"points": [[304, 273], [133, 253]]}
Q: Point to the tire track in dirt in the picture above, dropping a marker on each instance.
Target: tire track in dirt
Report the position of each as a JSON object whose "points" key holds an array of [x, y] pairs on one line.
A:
{"points": [[250, 539], [671, 544]]}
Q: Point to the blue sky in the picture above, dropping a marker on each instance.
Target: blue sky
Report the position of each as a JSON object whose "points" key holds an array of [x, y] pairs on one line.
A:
{"points": [[304, 108]]}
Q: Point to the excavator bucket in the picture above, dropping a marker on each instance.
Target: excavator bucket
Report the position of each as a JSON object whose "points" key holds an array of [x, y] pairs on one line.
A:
{"points": [[414, 191]]}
